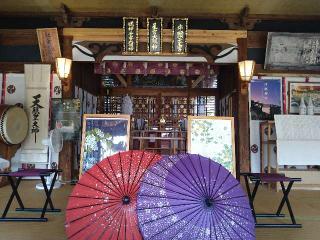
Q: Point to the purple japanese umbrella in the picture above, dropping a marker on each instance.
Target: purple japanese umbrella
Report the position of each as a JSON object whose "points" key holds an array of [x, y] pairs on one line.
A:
{"points": [[188, 196]]}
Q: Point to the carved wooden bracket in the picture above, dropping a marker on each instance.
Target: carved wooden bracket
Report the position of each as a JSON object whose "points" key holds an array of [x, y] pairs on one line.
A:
{"points": [[100, 49], [242, 21], [210, 52], [65, 19]]}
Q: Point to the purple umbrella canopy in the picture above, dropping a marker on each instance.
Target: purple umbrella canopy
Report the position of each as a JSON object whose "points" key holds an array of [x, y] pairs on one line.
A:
{"points": [[188, 196]]}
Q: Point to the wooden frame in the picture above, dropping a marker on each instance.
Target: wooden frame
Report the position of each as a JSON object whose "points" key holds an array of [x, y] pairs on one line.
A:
{"points": [[292, 51], [204, 149], [308, 88], [49, 45], [97, 136]]}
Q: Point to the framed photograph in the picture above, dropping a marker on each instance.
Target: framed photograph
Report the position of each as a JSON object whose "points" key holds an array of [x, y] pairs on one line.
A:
{"points": [[49, 45], [307, 90], [154, 27], [292, 51], [65, 116], [213, 137], [103, 135], [130, 29], [265, 99]]}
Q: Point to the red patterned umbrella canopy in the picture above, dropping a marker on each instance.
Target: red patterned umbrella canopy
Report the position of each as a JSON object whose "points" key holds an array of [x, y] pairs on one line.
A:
{"points": [[103, 203]]}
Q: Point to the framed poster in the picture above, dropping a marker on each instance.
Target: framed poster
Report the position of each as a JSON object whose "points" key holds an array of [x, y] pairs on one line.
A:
{"points": [[102, 135], [307, 90], [213, 137], [292, 51], [265, 99], [49, 45], [154, 27], [66, 117]]}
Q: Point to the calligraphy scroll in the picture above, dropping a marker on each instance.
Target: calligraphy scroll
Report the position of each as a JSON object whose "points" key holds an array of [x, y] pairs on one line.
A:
{"points": [[130, 41], [179, 32], [154, 26], [49, 45], [37, 78]]}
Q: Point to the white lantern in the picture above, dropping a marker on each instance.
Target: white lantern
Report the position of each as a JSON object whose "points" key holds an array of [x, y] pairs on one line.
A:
{"points": [[246, 70], [63, 67]]}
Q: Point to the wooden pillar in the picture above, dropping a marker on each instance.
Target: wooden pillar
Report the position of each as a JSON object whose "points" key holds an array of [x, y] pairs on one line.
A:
{"points": [[66, 156], [243, 115], [67, 89]]}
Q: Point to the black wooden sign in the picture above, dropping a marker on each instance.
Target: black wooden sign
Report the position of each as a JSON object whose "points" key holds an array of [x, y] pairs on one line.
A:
{"points": [[179, 32], [130, 27], [154, 26]]}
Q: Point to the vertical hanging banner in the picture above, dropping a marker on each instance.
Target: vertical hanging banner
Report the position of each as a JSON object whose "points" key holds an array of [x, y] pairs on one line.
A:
{"points": [[179, 32], [56, 89], [37, 78], [15, 89], [154, 26], [130, 29], [49, 45]]}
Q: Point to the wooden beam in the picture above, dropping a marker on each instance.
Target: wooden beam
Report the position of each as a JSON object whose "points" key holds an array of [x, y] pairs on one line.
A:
{"points": [[11, 37], [174, 92], [257, 39], [66, 156], [122, 80], [67, 52], [165, 14], [194, 36], [197, 81], [243, 116], [16, 67]]}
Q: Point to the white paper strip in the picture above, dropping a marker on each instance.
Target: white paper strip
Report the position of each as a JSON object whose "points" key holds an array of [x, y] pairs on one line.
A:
{"points": [[56, 87], [2, 93], [84, 101], [94, 104]]}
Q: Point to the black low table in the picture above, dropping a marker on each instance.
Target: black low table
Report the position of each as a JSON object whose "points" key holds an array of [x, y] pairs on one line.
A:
{"points": [[19, 175], [257, 179]]}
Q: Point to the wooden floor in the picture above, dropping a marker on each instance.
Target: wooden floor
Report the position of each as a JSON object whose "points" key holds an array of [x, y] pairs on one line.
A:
{"points": [[306, 205]]}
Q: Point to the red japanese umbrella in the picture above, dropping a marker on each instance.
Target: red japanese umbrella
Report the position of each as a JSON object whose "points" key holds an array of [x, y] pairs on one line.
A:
{"points": [[103, 203]]}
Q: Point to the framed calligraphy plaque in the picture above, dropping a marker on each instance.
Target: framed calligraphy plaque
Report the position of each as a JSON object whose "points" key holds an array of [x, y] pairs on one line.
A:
{"points": [[130, 40], [154, 26], [179, 32], [293, 51], [49, 45]]}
